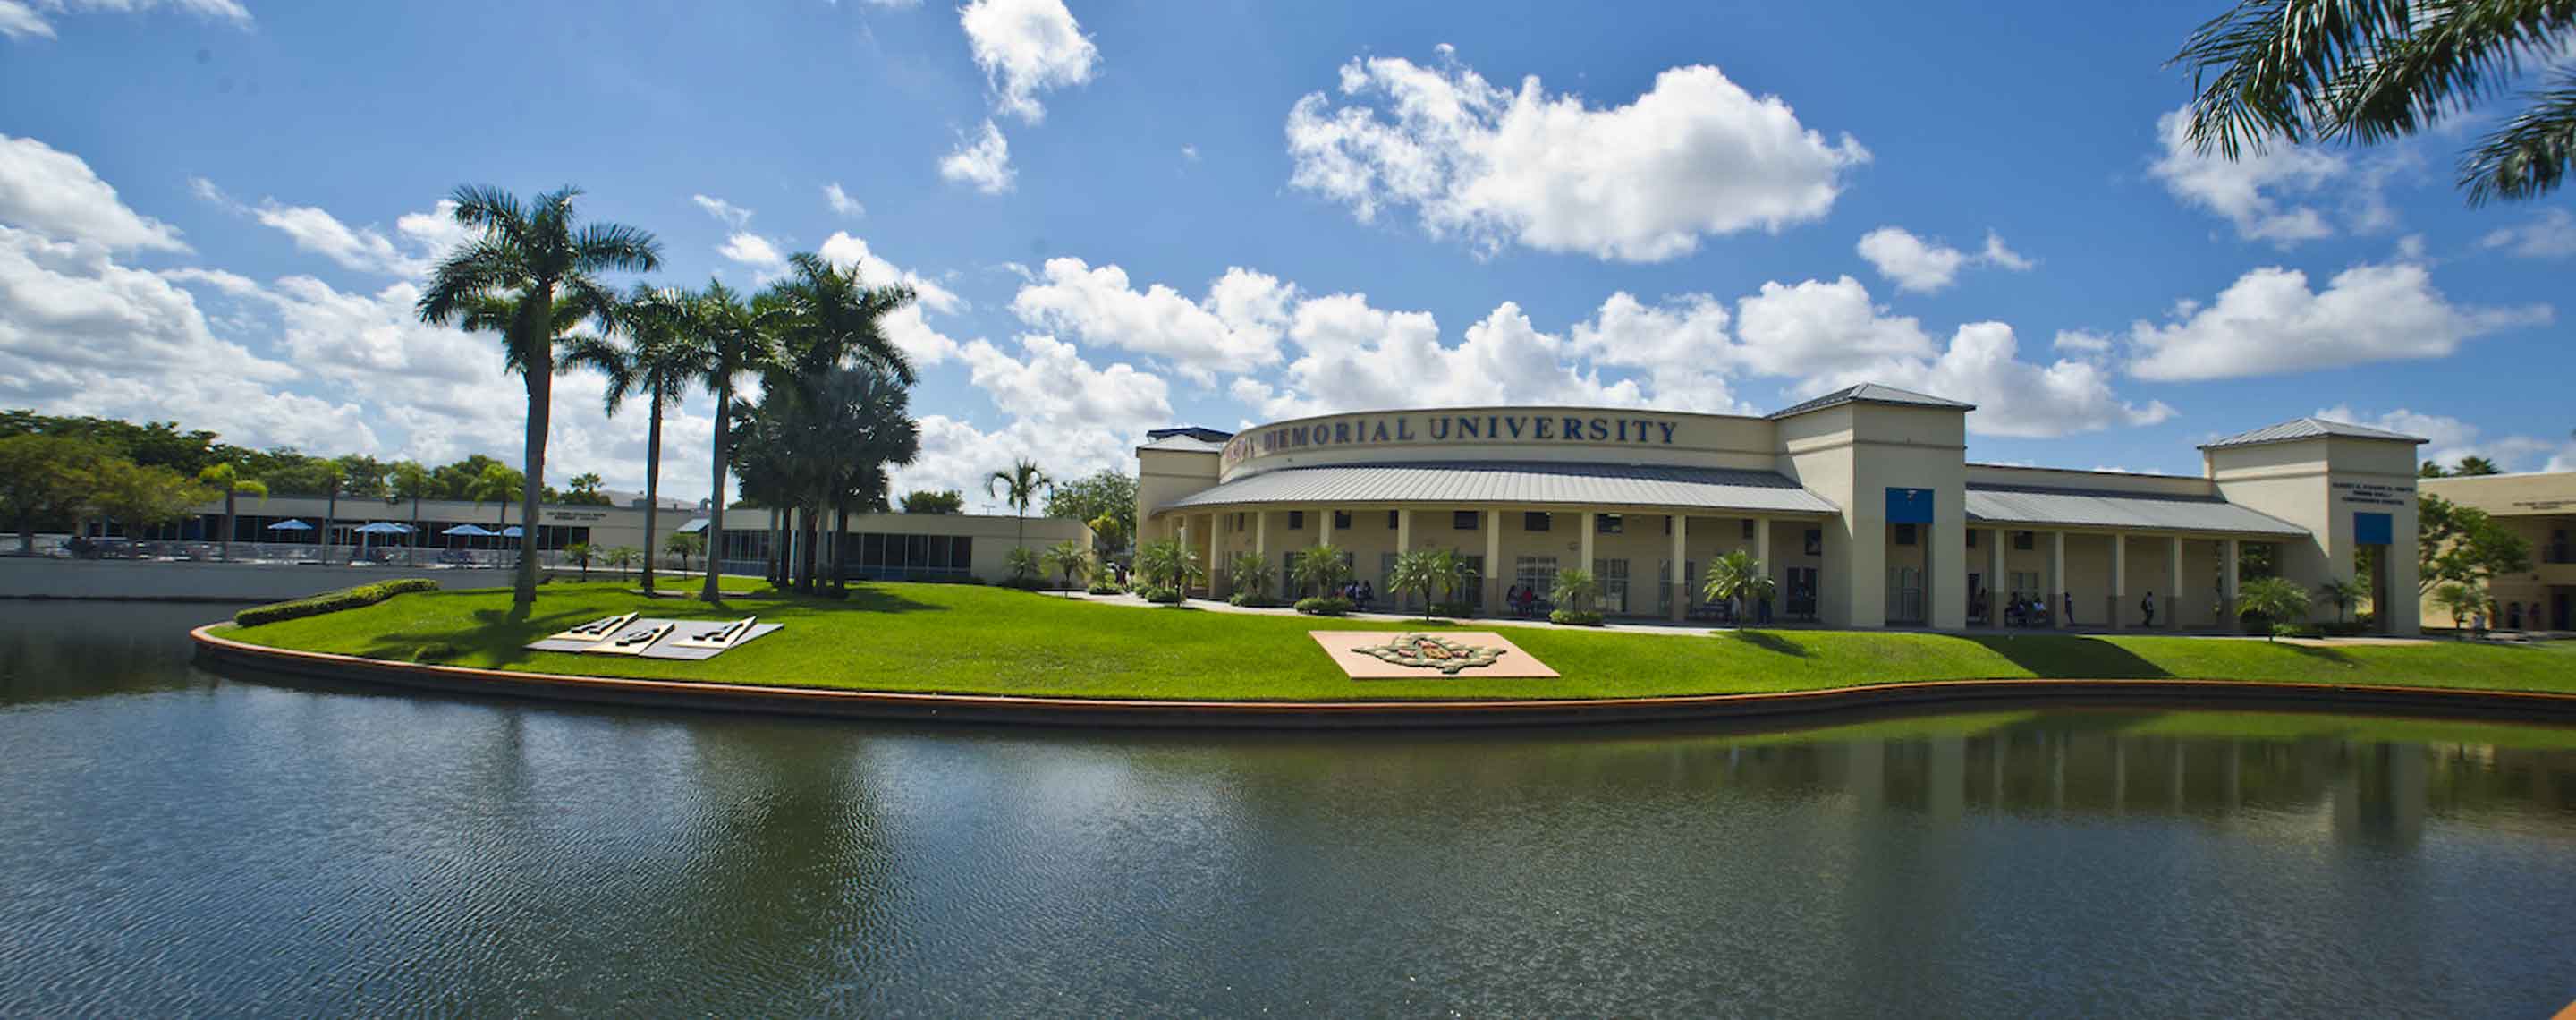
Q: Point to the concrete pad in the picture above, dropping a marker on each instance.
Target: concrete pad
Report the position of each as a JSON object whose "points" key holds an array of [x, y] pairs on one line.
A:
{"points": [[680, 648], [638, 636], [1458, 653]]}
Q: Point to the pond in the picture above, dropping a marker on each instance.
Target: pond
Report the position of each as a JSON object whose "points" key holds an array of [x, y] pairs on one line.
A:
{"points": [[176, 842]]}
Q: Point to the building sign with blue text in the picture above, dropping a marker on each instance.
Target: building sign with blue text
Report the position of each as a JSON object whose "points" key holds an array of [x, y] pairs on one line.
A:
{"points": [[1384, 429]]}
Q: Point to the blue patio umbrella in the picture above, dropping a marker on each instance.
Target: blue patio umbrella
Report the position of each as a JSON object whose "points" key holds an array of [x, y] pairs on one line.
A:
{"points": [[470, 531], [511, 532], [385, 528], [290, 524]]}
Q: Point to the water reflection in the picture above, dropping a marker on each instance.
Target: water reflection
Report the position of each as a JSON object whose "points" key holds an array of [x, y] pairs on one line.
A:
{"points": [[176, 844]]}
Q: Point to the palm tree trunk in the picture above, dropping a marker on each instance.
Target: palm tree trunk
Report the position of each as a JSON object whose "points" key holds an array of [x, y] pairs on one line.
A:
{"points": [[652, 485], [840, 527], [808, 531], [411, 545], [330, 520], [541, 378], [716, 507], [226, 550]]}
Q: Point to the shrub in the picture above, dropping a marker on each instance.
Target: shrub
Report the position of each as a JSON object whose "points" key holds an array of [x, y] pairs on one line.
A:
{"points": [[1162, 594], [2282, 630], [1576, 617], [1324, 605], [332, 601], [1460, 609], [1251, 600], [1023, 583], [1105, 588]]}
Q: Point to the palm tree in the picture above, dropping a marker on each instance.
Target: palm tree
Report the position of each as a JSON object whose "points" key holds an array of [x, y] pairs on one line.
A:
{"points": [[530, 271], [685, 545], [412, 480], [497, 485], [2474, 465], [2342, 594], [1023, 563], [1021, 483], [227, 479], [332, 478], [1320, 567], [2368, 71], [1574, 590], [621, 556], [864, 423], [1251, 572], [738, 340], [1417, 571], [579, 554], [658, 363], [1166, 563], [1738, 580], [1069, 558], [2277, 599], [2459, 600], [1454, 574]]}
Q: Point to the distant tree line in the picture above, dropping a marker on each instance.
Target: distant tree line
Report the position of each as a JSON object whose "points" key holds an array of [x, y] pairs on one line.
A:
{"points": [[284, 470]]}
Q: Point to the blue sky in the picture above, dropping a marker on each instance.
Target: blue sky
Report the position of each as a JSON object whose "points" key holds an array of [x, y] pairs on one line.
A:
{"points": [[1224, 213]]}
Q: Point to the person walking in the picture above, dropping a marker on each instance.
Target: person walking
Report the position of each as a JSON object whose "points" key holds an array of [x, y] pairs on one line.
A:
{"points": [[2070, 609], [2149, 606]]}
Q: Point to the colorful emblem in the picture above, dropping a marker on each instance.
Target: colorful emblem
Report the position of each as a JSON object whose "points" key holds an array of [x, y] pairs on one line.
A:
{"points": [[1430, 651]]}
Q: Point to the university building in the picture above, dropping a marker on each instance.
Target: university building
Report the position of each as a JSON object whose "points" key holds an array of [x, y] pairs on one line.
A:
{"points": [[2541, 509], [1859, 504]]}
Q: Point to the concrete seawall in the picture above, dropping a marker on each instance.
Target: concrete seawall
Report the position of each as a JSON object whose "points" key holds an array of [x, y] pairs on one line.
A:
{"points": [[165, 581]]}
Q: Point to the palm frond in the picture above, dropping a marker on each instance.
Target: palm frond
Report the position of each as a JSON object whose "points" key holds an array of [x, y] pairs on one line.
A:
{"points": [[482, 205], [600, 247], [2530, 155], [2453, 57]]}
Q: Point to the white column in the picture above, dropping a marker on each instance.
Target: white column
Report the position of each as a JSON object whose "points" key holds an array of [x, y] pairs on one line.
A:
{"points": [[2119, 579], [1762, 556], [1403, 544], [1211, 564], [1995, 576], [2172, 601], [1495, 568], [2057, 577], [1586, 565], [1261, 537], [1324, 530], [2227, 586], [1680, 578]]}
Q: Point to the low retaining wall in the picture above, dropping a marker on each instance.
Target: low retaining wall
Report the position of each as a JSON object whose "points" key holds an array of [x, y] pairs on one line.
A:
{"points": [[974, 708], [45, 577]]}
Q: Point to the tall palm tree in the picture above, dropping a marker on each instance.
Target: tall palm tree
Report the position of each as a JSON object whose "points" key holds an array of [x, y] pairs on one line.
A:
{"points": [[1021, 483], [332, 479], [739, 340], [228, 479], [413, 480], [865, 416], [829, 320], [2367, 71], [531, 269], [661, 358]]}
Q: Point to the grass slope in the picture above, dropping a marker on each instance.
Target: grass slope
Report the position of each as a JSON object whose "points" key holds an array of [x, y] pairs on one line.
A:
{"points": [[965, 639]]}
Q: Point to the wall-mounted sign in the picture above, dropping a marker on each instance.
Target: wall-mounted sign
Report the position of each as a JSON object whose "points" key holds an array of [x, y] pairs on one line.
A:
{"points": [[1365, 429], [1909, 506], [2375, 493], [554, 516]]}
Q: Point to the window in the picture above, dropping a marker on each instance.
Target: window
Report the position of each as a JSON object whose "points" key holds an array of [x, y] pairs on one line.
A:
{"points": [[1465, 520], [1748, 529], [1815, 541], [1342, 520], [1296, 520], [1608, 524], [2023, 540], [1972, 538], [1905, 534], [1535, 521], [1394, 519], [1613, 577], [1535, 573]]}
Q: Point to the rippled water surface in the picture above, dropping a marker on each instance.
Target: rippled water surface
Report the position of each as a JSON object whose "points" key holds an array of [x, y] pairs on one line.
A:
{"points": [[177, 843]]}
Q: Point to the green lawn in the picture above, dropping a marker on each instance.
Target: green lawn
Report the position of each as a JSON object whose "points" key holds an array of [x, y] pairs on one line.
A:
{"points": [[966, 639]]}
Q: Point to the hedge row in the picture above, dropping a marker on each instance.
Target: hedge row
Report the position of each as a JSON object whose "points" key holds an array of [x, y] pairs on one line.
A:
{"points": [[332, 601]]}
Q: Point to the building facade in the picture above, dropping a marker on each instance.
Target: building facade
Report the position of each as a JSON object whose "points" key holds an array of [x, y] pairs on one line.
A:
{"points": [[2541, 509], [1860, 506]]}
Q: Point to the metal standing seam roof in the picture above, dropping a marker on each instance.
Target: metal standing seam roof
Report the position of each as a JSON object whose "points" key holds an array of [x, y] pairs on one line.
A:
{"points": [[1510, 482], [1185, 443], [1871, 393], [2093, 508], [2308, 428]]}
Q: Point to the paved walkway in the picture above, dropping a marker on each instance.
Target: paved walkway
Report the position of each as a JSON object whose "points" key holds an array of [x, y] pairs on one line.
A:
{"points": [[1693, 629]]}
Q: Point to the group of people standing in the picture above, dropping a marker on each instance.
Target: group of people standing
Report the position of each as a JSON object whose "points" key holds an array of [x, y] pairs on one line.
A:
{"points": [[1359, 594]]}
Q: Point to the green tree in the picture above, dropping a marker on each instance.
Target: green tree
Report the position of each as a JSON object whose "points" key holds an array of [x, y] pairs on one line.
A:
{"points": [[530, 277], [2370, 71], [2463, 544], [1023, 563], [1166, 563], [1069, 558], [1102, 492], [1251, 572], [138, 496], [584, 491], [579, 554], [923, 501], [332, 480], [1019, 487], [1108, 533], [659, 360], [1738, 580], [409, 480], [2459, 600], [1320, 568], [1574, 589], [2473, 465], [2278, 599], [684, 546], [226, 479], [833, 345], [739, 340], [1417, 571], [1454, 572], [44, 478], [2341, 594], [497, 485]]}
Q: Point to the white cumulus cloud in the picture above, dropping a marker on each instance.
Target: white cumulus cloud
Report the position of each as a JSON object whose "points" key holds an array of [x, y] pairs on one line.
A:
{"points": [[48, 190], [1695, 156], [2550, 235], [983, 160], [1027, 47], [1235, 328], [841, 202], [2269, 322], [30, 19]]}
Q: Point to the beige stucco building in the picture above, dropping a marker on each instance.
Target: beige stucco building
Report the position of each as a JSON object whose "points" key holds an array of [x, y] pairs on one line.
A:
{"points": [[2541, 508], [1859, 504]]}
